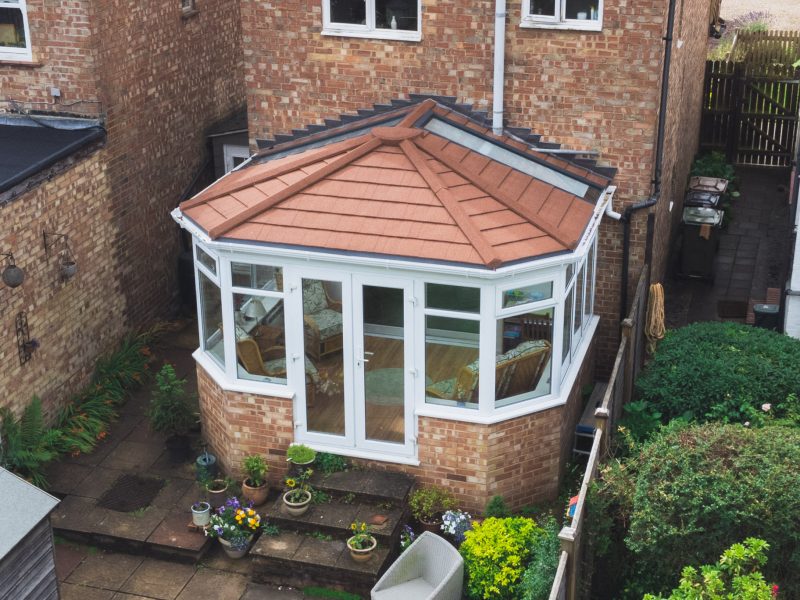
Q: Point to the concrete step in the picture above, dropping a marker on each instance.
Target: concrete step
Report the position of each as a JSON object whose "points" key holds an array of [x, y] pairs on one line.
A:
{"points": [[365, 486]]}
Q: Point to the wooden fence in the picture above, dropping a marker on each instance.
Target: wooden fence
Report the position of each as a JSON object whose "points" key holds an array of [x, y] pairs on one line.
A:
{"points": [[751, 102], [627, 364]]}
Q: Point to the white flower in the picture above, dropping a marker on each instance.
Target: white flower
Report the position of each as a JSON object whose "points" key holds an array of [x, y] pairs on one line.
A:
{"points": [[766, 407], [747, 423]]}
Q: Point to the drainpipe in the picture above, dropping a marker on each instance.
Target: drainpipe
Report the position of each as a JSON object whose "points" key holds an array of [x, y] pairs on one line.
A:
{"points": [[659, 161], [499, 65]]}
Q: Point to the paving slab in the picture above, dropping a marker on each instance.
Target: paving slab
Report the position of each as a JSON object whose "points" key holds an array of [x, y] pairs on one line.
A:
{"points": [[72, 591], [64, 477], [319, 552], [277, 546], [158, 579], [78, 514], [135, 456], [171, 494], [108, 570], [208, 584], [136, 526], [216, 558], [97, 482], [124, 596], [257, 591], [144, 434], [173, 533], [67, 557]]}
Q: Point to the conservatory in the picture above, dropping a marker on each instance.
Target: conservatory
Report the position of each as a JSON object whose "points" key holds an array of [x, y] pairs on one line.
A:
{"points": [[374, 276]]}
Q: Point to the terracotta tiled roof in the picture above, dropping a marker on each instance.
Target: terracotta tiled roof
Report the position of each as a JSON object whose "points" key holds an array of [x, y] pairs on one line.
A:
{"points": [[406, 191]]}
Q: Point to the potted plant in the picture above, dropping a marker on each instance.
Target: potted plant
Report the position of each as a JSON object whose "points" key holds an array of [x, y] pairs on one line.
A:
{"points": [[216, 490], [297, 497], [428, 504], [301, 456], [234, 525], [362, 543], [170, 412], [254, 486], [455, 523], [201, 513]]}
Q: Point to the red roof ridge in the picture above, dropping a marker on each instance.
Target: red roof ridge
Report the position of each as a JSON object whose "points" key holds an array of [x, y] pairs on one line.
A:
{"points": [[450, 204], [364, 148]]}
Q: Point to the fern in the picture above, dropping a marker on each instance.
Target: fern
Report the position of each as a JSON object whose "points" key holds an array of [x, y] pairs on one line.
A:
{"points": [[27, 446]]}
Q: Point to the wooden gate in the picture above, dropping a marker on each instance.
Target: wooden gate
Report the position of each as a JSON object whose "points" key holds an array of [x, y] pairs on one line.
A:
{"points": [[751, 105]]}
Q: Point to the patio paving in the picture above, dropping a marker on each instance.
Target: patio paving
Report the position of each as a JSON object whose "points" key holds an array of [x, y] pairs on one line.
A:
{"points": [[753, 255]]}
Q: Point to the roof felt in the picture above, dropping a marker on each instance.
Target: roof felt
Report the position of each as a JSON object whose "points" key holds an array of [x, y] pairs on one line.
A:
{"points": [[404, 191], [24, 506], [28, 148]]}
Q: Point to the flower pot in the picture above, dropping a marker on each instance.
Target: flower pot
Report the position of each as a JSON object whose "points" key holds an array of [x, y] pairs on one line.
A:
{"points": [[235, 551], [201, 514], [217, 493], [299, 468], [434, 525], [297, 508], [255, 494], [68, 269], [362, 555]]}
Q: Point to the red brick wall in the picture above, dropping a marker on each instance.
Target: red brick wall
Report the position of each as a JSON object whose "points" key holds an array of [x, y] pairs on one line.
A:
{"points": [[74, 321]]}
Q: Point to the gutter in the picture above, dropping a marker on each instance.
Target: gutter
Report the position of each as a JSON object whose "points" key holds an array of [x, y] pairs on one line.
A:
{"points": [[499, 66], [659, 163]]}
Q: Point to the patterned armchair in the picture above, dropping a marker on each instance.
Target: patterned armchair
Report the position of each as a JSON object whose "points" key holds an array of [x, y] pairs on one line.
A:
{"points": [[323, 320], [272, 363]]}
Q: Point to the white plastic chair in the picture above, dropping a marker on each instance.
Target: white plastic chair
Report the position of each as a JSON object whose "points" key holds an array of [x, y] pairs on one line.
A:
{"points": [[430, 569]]}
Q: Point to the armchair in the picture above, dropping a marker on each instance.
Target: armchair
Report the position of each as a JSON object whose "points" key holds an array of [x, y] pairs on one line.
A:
{"points": [[322, 316], [273, 364]]}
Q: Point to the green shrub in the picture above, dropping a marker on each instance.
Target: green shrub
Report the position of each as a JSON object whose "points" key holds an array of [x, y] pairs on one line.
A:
{"points": [[496, 507], [331, 463], [300, 454], [641, 418], [714, 164], [170, 412], [693, 491], [428, 503], [736, 575], [545, 552], [723, 372], [255, 469], [496, 553], [25, 445]]}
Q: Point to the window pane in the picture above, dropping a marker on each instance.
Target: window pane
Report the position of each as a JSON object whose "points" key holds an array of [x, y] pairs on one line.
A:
{"points": [[570, 273], [579, 301], [581, 10], [396, 14], [211, 318], [352, 12], [530, 293], [260, 338], [523, 362], [451, 362], [453, 297], [257, 277], [12, 29], [567, 325], [545, 8], [205, 259], [588, 306]]}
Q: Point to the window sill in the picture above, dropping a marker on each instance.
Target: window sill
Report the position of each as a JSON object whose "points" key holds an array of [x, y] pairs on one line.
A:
{"points": [[564, 25], [376, 34], [15, 62]]}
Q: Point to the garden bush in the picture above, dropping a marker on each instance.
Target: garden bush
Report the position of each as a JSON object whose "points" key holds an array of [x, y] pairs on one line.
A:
{"points": [[537, 580], [496, 553], [723, 372], [694, 490]]}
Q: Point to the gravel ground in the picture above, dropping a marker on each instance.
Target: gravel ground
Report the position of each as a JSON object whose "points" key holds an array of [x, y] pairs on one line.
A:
{"points": [[785, 13]]}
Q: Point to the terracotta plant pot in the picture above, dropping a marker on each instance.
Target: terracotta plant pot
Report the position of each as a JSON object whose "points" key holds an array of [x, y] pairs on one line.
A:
{"points": [[201, 514], [362, 555], [234, 552], [255, 494], [217, 493], [297, 508], [434, 526]]}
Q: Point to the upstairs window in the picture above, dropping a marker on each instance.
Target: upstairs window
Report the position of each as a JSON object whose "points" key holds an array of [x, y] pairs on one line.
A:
{"points": [[563, 14], [15, 38], [385, 19]]}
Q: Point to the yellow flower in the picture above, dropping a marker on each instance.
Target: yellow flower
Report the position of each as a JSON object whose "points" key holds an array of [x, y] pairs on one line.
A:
{"points": [[250, 512], [291, 482], [363, 527]]}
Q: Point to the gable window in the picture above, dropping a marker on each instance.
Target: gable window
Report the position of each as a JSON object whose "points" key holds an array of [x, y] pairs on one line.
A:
{"points": [[15, 38], [386, 19], [563, 14]]}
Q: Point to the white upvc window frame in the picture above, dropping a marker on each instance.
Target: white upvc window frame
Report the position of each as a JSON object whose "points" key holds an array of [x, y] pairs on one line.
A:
{"points": [[368, 29], [558, 21], [230, 152], [18, 54], [216, 280]]}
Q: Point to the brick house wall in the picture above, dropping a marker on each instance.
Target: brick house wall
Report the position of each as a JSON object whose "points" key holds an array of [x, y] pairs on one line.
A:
{"points": [[587, 90]]}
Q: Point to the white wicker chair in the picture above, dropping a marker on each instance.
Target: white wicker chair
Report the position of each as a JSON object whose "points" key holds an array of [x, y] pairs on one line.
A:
{"points": [[429, 569]]}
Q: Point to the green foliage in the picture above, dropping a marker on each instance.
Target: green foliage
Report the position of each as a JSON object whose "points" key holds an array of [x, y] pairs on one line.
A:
{"points": [[170, 412], [300, 454], [496, 507], [126, 368], [255, 468], [736, 576], [713, 164], [428, 503], [270, 529], [27, 446], [319, 497], [496, 553], [723, 372], [537, 580], [320, 592], [641, 418], [692, 491], [331, 463]]}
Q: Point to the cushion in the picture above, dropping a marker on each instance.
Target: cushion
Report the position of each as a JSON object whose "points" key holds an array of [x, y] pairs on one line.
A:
{"points": [[329, 323], [418, 589], [277, 368], [443, 389], [314, 298]]}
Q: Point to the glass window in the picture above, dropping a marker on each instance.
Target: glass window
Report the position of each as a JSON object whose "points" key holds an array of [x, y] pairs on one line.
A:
{"points": [[396, 14], [579, 14], [451, 361], [211, 318], [260, 338], [544, 8], [257, 277], [527, 294], [579, 283], [588, 305], [397, 18], [453, 297], [523, 357], [205, 259], [567, 325], [14, 35]]}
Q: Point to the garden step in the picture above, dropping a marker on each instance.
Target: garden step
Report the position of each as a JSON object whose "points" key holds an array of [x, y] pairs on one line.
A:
{"points": [[334, 519], [301, 560], [365, 486]]}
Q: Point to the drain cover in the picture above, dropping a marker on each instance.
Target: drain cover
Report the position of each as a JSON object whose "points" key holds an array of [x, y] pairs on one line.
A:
{"points": [[131, 492]]}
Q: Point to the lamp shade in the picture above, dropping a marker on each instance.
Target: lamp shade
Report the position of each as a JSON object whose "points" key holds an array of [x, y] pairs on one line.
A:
{"points": [[13, 276], [255, 310]]}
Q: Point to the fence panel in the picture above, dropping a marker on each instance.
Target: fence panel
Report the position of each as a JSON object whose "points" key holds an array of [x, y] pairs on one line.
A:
{"points": [[559, 589]]}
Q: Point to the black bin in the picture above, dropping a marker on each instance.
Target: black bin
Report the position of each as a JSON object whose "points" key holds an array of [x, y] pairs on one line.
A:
{"points": [[701, 229], [767, 316]]}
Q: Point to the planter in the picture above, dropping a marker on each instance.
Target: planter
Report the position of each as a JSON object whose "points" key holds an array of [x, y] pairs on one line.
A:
{"points": [[206, 465], [217, 493], [297, 508], [434, 526], [299, 468], [235, 551], [178, 447], [68, 269], [362, 555], [201, 514], [255, 494]]}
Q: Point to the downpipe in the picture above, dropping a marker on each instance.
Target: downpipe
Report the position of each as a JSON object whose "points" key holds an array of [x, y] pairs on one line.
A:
{"points": [[499, 66]]}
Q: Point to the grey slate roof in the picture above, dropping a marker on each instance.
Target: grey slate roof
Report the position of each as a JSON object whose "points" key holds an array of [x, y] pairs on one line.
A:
{"points": [[22, 507]]}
